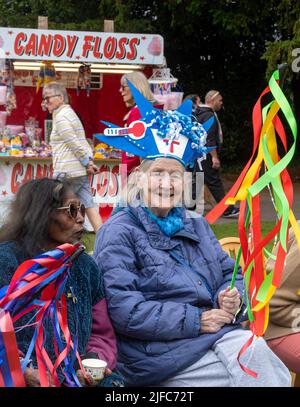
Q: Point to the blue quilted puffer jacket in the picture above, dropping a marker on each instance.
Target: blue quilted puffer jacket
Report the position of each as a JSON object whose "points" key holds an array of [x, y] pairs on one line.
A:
{"points": [[157, 288]]}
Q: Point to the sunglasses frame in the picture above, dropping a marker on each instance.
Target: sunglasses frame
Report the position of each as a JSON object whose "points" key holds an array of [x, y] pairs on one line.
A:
{"points": [[46, 98], [79, 208]]}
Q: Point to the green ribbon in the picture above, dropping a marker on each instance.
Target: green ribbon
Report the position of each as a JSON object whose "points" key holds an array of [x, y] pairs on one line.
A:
{"points": [[264, 288], [246, 279], [238, 257], [273, 174], [279, 96]]}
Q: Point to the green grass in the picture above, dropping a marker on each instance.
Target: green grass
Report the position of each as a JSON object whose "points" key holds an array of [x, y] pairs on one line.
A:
{"points": [[220, 230], [231, 229], [88, 241]]}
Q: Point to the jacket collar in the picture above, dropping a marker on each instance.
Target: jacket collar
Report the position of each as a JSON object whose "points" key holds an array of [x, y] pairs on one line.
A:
{"points": [[188, 231], [61, 107], [156, 238]]}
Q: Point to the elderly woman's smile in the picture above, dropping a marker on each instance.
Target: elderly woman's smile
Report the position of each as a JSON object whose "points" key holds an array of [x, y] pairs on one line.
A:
{"points": [[162, 185]]}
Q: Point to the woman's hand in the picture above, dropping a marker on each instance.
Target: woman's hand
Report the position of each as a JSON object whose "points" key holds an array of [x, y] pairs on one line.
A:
{"points": [[85, 380], [89, 382], [213, 320], [107, 372], [91, 168], [216, 164], [229, 300], [32, 378]]}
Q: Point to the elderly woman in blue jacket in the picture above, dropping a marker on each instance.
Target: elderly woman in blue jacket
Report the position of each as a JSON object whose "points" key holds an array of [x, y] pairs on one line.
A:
{"points": [[167, 284]]}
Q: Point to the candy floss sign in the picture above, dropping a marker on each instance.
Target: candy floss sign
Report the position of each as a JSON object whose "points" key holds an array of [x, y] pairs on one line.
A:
{"points": [[105, 185], [16, 43]]}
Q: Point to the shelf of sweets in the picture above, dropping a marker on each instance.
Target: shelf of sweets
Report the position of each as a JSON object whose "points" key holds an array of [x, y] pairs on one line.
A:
{"points": [[37, 158], [20, 146], [103, 151]]}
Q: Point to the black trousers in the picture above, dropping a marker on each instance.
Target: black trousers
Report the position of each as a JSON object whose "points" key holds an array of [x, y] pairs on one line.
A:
{"points": [[212, 179]]}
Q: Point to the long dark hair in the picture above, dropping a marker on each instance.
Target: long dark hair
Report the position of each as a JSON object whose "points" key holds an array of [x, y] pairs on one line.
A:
{"points": [[30, 213]]}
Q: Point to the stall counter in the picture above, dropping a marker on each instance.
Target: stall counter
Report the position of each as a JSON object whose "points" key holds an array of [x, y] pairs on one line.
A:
{"points": [[14, 171]]}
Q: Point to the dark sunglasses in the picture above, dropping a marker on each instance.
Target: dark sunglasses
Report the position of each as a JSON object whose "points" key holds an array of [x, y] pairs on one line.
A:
{"points": [[47, 98], [73, 209]]}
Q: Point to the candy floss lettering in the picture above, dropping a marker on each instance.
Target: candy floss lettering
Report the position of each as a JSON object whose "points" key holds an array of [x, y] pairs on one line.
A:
{"points": [[45, 45], [105, 183], [22, 173], [58, 45], [112, 47]]}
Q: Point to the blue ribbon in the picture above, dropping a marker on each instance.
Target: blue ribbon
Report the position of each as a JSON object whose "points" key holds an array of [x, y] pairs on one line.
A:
{"points": [[19, 305]]}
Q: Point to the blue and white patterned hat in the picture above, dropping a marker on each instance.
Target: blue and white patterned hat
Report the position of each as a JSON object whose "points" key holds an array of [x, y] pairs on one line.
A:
{"points": [[160, 133]]}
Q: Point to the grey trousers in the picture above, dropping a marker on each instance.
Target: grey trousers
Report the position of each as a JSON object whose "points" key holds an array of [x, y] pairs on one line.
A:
{"points": [[219, 366]]}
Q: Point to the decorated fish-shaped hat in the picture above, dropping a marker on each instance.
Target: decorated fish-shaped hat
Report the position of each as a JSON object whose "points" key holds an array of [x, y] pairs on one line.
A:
{"points": [[160, 133]]}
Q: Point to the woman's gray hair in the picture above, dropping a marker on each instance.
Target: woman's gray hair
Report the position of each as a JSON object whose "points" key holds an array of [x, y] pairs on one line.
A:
{"points": [[131, 192], [57, 89]]}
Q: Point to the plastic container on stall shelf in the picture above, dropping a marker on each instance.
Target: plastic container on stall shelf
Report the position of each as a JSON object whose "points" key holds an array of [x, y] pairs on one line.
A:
{"points": [[3, 117], [37, 137], [14, 129], [3, 90], [4, 145]]}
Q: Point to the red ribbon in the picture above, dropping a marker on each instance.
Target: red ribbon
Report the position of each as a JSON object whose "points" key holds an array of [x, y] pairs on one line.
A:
{"points": [[12, 354], [241, 352]]}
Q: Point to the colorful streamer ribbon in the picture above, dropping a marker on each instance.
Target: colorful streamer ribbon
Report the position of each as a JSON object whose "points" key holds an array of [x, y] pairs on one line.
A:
{"points": [[264, 169], [38, 285]]}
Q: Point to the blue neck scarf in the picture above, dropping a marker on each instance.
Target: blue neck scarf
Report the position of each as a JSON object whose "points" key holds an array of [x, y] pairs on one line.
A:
{"points": [[171, 223]]}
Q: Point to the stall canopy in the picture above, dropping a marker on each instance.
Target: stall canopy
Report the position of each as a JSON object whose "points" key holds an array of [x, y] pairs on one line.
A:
{"points": [[108, 54]]}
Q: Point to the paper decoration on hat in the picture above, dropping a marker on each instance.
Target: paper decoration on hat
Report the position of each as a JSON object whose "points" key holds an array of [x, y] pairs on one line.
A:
{"points": [[159, 133]]}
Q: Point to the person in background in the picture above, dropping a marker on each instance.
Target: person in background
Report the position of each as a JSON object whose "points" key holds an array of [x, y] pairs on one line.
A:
{"points": [[283, 332], [140, 81], [192, 198], [196, 100], [72, 155], [45, 214], [211, 166]]}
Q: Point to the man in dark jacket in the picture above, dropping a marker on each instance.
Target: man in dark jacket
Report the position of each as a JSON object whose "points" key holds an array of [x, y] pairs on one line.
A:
{"points": [[211, 166]]}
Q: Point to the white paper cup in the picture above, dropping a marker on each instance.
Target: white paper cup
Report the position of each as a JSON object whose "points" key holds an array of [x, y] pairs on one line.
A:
{"points": [[95, 368]]}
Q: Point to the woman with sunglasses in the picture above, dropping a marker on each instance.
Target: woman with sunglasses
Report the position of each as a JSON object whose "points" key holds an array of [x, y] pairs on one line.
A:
{"points": [[45, 214]]}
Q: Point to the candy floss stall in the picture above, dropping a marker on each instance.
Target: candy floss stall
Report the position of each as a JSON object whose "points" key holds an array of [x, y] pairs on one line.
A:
{"points": [[90, 65]]}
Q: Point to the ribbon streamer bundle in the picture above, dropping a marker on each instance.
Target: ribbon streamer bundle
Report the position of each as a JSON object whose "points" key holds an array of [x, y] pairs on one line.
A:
{"points": [[38, 285], [265, 169]]}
